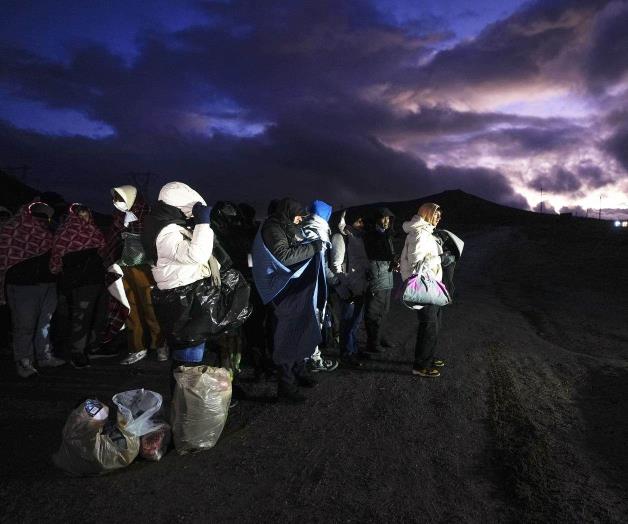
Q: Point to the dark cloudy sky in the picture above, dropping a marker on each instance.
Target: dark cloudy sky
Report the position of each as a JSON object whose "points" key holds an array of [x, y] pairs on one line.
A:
{"points": [[349, 101]]}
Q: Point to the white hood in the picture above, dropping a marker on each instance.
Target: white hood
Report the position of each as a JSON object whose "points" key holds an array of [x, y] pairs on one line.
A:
{"points": [[128, 194], [180, 195], [416, 222]]}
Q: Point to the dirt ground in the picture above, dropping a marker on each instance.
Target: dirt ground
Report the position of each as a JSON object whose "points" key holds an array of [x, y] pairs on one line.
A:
{"points": [[527, 424]]}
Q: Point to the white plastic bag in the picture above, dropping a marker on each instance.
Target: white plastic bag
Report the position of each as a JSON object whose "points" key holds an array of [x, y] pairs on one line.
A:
{"points": [[199, 406], [90, 446], [136, 409]]}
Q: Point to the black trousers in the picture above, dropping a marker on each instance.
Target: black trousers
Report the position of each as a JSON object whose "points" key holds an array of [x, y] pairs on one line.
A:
{"points": [[377, 307], [289, 372], [87, 317], [427, 336]]}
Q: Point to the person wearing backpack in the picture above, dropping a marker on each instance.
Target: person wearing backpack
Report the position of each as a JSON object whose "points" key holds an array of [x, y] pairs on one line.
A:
{"points": [[422, 247], [349, 264]]}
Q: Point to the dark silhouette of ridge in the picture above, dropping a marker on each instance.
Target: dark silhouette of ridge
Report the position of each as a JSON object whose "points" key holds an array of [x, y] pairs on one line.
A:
{"points": [[14, 192], [461, 208]]}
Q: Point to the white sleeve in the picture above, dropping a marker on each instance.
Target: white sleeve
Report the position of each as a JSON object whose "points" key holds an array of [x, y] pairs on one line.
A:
{"points": [[337, 255], [418, 249], [174, 245]]}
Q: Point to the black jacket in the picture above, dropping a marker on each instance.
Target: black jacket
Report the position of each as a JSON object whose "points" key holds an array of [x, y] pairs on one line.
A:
{"points": [[82, 268], [379, 245], [31, 271]]}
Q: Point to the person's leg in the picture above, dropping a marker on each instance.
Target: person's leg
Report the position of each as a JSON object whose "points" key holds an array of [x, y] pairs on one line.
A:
{"points": [[135, 331], [99, 317], [384, 341], [144, 282], [60, 326], [24, 305], [84, 299], [347, 346], [335, 305], [302, 375], [355, 321], [427, 337], [374, 311], [41, 341], [287, 382]]}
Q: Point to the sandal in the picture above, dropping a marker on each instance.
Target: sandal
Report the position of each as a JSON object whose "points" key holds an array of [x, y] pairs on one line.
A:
{"points": [[438, 363], [426, 372]]}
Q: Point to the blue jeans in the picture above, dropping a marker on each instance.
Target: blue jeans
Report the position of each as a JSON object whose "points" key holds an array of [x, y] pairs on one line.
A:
{"points": [[350, 319], [31, 311]]}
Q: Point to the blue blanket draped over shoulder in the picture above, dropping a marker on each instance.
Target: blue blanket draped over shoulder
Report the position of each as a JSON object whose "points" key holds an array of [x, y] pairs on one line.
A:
{"points": [[295, 293]]}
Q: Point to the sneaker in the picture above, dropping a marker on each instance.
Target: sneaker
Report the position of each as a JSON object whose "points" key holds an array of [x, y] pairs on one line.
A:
{"points": [[79, 361], [163, 354], [351, 361], [322, 364], [290, 393], [50, 362], [24, 368], [439, 363], [426, 372], [132, 358], [106, 351]]}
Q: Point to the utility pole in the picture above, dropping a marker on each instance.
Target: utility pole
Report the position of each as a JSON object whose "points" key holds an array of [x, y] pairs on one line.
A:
{"points": [[541, 200], [599, 215]]}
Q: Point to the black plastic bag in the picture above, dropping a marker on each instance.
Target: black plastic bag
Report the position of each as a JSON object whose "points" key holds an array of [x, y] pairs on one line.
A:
{"points": [[190, 314]]}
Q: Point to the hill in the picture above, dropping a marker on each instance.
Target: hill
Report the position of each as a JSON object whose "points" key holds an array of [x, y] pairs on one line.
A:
{"points": [[14, 192], [462, 209]]}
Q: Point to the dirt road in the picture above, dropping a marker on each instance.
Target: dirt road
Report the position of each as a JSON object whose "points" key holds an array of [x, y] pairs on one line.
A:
{"points": [[520, 427]]}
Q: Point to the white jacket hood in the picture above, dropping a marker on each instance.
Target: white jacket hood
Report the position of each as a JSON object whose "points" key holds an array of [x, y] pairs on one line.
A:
{"points": [[180, 195], [128, 194], [416, 223]]}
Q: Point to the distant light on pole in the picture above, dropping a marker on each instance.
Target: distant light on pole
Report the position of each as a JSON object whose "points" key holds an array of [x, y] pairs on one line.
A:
{"points": [[624, 223], [617, 223]]}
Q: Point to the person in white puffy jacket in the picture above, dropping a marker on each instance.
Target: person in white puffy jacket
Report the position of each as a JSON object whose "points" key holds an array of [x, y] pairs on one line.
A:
{"points": [[422, 247], [183, 255], [180, 255]]}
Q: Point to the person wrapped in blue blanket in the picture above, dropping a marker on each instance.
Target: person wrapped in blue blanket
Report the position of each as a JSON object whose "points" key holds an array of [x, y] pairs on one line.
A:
{"points": [[290, 277]]}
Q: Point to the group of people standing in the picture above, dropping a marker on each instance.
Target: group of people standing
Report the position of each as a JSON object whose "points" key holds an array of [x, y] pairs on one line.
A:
{"points": [[311, 277]]}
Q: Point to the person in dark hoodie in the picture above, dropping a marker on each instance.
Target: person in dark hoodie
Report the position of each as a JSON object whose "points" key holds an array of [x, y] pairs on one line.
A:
{"points": [[31, 289], [380, 250], [289, 275], [82, 276], [350, 265]]}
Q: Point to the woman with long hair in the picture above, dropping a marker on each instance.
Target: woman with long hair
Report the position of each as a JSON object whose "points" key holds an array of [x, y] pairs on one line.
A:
{"points": [[421, 247]]}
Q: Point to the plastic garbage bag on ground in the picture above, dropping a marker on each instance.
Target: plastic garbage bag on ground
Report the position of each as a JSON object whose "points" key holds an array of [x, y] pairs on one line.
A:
{"points": [[154, 445], [200, 405], [136, 409], [91, 446]]}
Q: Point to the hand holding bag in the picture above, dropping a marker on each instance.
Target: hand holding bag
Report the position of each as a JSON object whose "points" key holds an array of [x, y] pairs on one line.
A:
{"points": [[423, 289]]}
